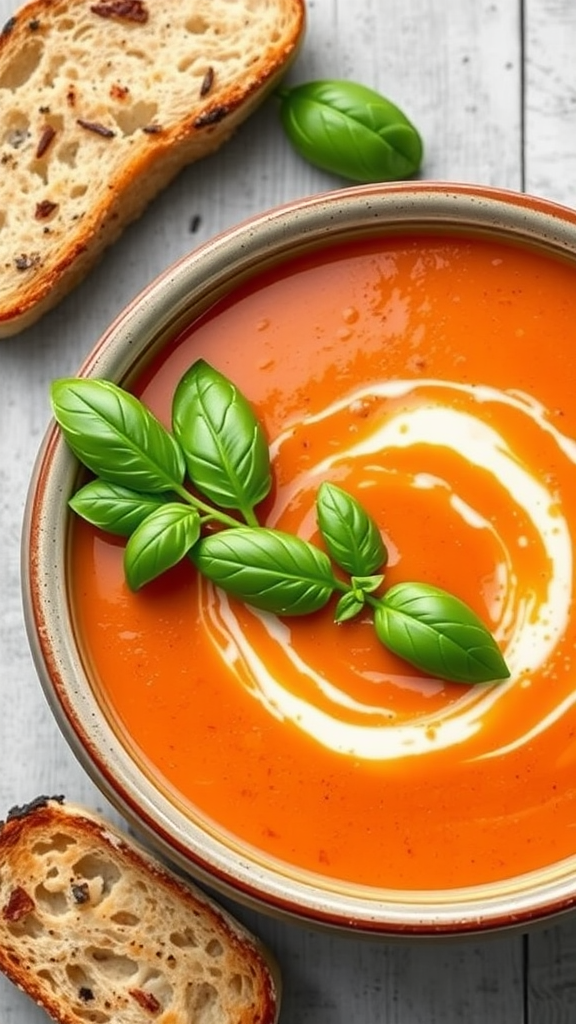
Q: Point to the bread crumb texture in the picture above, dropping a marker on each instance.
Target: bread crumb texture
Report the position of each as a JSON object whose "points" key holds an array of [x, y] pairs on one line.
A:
{"points": [[96, 932], [101, 104]]}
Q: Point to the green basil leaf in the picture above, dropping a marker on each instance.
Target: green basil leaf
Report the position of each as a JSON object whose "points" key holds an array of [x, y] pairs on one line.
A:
{"points": [[112, 507], [349, 532], [225, 448], [267, 568], [350, 130], [348, 606], [116, 436], [367, 584], [161, 541], [439, 634]]}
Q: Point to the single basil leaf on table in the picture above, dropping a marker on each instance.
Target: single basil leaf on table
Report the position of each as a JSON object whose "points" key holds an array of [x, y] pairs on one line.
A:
{"points": [[226, 452], [159, 542], [349, 532], [350, 130], [266, 568], [112, 507], [116, 436], [439, 634]]}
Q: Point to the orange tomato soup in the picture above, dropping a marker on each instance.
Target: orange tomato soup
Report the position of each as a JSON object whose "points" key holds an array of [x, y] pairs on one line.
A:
{"points": [[434, 378]]}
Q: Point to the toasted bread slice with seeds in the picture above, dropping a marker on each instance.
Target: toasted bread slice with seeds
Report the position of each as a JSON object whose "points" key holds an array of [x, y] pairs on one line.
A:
{"points": [[101, 104], [93, 929]]}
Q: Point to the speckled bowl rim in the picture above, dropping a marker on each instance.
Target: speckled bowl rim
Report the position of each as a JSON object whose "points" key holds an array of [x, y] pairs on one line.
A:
{"points": [[182, 292]]}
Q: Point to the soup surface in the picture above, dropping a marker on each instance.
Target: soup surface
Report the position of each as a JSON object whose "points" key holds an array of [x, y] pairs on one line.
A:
{"points": [[434, 378]]}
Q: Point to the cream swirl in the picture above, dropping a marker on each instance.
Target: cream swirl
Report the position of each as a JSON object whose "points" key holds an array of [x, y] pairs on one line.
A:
{"points": [[410, 414]]}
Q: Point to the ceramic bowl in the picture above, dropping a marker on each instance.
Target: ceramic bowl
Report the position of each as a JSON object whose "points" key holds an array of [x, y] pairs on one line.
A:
{"points": [[170, 303]]}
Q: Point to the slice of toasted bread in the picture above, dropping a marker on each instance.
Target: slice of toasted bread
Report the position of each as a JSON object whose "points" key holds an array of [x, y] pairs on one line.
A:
{"points": [[96, 931], [101, 104]]}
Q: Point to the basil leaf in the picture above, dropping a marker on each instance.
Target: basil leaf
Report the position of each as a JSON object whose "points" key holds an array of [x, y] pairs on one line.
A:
{"points": [[112, 507], [350, 130], [348, 606], [161, 541], [349, 532], [116, 436], [267, 568], [438, 633], [366, 584], [224, 445]]}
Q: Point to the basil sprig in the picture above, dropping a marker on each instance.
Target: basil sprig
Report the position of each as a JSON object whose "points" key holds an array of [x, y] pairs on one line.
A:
{"points": [[350, 130], [194, 491]]}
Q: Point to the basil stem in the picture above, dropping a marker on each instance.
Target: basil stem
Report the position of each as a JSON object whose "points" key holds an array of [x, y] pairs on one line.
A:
{"points": [[116, 436], [349, 532], [159, 542], [268, 569], [437, 633], [350, 130], [224, 446]]}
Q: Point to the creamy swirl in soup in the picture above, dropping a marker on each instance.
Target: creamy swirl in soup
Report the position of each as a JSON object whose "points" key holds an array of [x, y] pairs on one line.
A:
{"points": [[434, 378]]}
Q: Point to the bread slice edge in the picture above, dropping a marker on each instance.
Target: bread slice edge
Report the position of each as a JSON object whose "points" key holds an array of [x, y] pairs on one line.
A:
{"points": [[44, 268], [50, 833]]}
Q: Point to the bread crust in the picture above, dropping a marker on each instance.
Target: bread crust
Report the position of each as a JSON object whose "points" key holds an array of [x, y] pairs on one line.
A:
{"points": [[87, 140], [94, 929]]}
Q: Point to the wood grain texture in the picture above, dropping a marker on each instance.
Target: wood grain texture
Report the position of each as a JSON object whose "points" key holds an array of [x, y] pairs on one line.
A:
{"points": [[551, 975], [550, 171], [550, 99], [333, 979], [456, 69]]}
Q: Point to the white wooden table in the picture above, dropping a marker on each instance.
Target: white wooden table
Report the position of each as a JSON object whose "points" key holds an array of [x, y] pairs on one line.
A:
{"points": [[492, 86]]}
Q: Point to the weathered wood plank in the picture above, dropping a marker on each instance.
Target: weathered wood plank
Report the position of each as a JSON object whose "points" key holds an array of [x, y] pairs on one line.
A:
{"points": [[550, 132], [333, 979], [453, 67], [551, 987], [550, 99]]}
